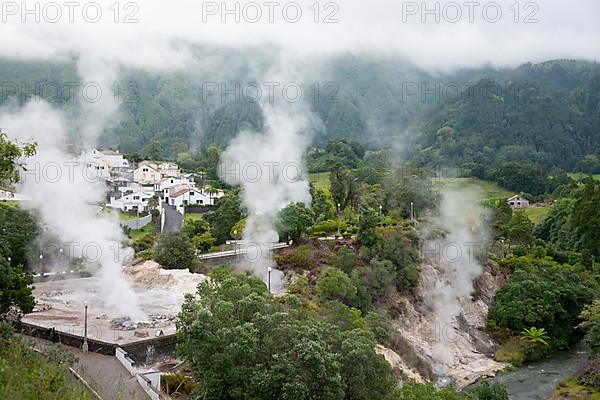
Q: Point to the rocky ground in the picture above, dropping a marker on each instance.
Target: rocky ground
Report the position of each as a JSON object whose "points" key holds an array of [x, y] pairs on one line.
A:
{"points": [[466, 350]]}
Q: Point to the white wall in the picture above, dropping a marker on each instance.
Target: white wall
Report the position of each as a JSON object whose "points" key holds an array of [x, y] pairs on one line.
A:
{"points": [[127, 362]]}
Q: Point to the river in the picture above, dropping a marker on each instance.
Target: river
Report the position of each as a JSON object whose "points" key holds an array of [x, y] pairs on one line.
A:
{"points": [[538, 380]]}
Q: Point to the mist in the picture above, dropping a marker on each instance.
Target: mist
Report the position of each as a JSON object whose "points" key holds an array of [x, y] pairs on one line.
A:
{"points": [[270, 169], [159, 35], [64, 193], [453, 255]]}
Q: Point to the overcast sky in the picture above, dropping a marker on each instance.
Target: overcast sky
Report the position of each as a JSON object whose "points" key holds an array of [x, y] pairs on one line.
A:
{"points": [[160, 37]]}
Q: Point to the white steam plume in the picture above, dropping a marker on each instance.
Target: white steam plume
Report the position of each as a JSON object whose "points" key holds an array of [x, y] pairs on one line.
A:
{"points": [[454, 258], [269, 168], [64, 193]]}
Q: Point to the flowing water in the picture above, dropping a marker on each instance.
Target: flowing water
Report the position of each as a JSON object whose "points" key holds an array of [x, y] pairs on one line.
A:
{"points": [[538, 381]]}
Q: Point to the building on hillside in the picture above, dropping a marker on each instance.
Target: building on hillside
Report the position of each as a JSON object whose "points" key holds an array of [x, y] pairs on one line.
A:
{"points": [[517, 202], [161, 186], [132, 202], [147, 173], [104, 163], [115, 159], [169, 170], [187, 195]]}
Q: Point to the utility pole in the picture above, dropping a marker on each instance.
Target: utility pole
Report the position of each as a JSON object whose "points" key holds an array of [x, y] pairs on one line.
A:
{"points": [[85, 343]]}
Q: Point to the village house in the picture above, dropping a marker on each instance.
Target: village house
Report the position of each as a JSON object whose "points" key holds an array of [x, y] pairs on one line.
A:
{"points": [[517, 202], [147, 173], [115, 159], [161, 186], [187, 195], [169, 170], [104, 162], [136, 202]]}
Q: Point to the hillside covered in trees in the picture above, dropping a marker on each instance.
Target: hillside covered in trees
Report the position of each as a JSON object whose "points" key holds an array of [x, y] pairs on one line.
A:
{"points": [[546, 114]]}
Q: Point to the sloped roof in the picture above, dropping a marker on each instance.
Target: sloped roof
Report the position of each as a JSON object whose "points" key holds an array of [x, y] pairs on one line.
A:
{"points": [[179, 192]]}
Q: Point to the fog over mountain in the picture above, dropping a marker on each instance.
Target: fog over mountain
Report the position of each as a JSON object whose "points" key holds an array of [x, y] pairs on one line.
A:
{"points": [[154, 34]]}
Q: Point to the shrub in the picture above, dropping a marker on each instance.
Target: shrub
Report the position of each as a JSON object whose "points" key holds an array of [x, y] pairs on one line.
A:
{"points": [[173, 384], [495, 391], [174, 250], [589, 373], [325, 227], [334, 284], [296, 259], [345, 259]]}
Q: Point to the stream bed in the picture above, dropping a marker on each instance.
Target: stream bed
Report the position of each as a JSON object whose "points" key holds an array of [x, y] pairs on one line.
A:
{"points": [[538, 381]]}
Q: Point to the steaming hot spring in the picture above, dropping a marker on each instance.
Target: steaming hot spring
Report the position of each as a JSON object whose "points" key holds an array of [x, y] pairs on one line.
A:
{"points": [[60, 304]]}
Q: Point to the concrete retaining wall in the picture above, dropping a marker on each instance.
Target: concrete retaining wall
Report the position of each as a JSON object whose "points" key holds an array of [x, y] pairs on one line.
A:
{"points": [[142, 352], [137, 223], [68, 339], [149, 381], [150, 350], [124, 359]]}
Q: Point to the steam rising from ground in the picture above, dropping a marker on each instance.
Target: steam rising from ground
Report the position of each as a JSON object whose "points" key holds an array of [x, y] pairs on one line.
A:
{"points": [[454, 255], [64, 193], [269, 168]]}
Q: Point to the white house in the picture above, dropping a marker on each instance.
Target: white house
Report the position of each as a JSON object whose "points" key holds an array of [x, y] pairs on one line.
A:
{"points": [[103, 162], [147, 172], [169, 169], [115, 159], [517, 202], [165, 183], [187, 195], [137, 201]]}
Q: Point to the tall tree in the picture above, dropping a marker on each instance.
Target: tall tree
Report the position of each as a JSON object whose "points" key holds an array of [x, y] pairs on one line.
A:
{"points": [[293, 221], [10, 158], [343, 187]]}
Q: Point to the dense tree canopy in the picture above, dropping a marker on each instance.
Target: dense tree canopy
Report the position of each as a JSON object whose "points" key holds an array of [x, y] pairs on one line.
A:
{"points": [[244, 344], [174, 250]]}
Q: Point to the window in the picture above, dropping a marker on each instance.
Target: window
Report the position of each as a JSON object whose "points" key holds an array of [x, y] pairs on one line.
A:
{"points": [[201, 201], [191, 193], [136, 197], [512, 203]]}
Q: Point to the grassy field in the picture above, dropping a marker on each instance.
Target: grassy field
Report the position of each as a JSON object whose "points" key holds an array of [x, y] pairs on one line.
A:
{"points": [[490, 190], [536, 214], [126, 217], [148, 229], [320, 180], [192, 217], [580, 175]]}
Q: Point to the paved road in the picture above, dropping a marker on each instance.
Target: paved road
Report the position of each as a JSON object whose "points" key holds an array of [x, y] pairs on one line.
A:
{"points": [[173, 219], [104, 374]]}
